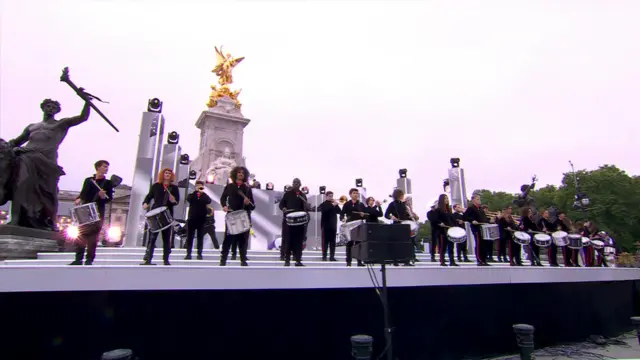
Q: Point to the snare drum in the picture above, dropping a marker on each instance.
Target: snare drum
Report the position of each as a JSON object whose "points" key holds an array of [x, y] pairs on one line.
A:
{"points": [[490, 232], [456, 235], [413, 225], [346, 228], [586, 241], [237, 222], [542, 240], [560, 238], [597, 244], [575, 242], [609, 250], [522, 238], [159, 219], [85, 214], [297, 218]]}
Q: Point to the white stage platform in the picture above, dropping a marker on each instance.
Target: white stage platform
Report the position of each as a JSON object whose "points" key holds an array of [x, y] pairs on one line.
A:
{"points": [[119, 269]]}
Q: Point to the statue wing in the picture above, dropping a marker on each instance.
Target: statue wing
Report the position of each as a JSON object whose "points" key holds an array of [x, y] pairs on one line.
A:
{"points": [[220, 60], [237, 61]]}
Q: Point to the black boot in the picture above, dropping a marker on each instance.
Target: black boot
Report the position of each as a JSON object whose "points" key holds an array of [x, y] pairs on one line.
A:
{"points": [[223, 259], [148, 255], [79, 257]]}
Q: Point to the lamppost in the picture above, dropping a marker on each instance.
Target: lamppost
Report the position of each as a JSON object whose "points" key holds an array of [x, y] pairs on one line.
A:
{"points": [[581, 201]]}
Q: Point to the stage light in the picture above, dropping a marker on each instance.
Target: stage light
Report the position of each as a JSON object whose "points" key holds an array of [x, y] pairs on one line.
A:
{"points": [[524, 338], [154, 105], [361, 347], [287, 187], [173, 138], [210, 179], [323, 189], [445, 185], [305, 190], [270, 186], [193, 175], [455, 162], [358, 183], [114, 234], [184, 159], [585, 201], [72, 232]]}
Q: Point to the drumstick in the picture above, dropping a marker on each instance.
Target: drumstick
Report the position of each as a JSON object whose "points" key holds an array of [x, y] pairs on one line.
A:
{"points": [[245, 197]]}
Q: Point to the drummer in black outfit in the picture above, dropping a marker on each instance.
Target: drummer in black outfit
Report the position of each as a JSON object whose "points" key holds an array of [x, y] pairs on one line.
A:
{"points": [[461, 248], [198, 201], [432, 216], [397, 212], [292, 201], [570, 255], [237, 196], [445, 221], [329, 211], [507, 227], [163, 193], [373, 210], [527, 224], [476, 216], [96, 189], [353, 210], [549, 227]]}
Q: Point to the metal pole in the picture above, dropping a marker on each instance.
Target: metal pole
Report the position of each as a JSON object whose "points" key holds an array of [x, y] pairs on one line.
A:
{"points": [[387, 323]]}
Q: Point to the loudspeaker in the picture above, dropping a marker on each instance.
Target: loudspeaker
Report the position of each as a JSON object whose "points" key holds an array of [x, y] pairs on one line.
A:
{"points": [[382, 243]]}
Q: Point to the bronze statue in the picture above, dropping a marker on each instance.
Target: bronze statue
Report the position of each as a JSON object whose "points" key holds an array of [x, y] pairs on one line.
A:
{"points": [[526, 200], [29, 164]]}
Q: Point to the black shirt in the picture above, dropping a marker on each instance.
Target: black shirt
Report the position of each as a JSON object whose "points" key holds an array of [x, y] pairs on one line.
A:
{"points": [[293, 200], [397, 209], [504, 224], [458, 216], [349, 209], [548, 225], [444, 217], [89, 193], [198, 202], [527, 224], [160, 196], [233, 200], [563, 226], [475, 213], [329, 215], [374, 212]]}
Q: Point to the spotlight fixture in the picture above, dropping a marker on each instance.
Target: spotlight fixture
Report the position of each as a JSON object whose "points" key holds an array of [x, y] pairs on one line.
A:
{"points": [[184, 159], [210, 179], [270, 186], [287, 187], [402, 173], [193, 175], [305, 190], [173, 138], [358, 183], [154, 105], [455, 162], [323, 189], [445, 184]]}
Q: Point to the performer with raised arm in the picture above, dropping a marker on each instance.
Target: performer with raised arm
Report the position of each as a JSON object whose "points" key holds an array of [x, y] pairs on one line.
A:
{"points": [[570, 255], [294, 200], [461, 248], [99, 190], [529, 225], [507, 227], [550, 226], [198, 209], [237, 196], [163, 193], [476, 216], [329, 212], [397, 212], [432, 216], [445, 221], [373, 210], [353, 210]]}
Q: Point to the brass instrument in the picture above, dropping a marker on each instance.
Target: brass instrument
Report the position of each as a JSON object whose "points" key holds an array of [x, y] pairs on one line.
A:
{"points": [[343, 199], [209, 210]]}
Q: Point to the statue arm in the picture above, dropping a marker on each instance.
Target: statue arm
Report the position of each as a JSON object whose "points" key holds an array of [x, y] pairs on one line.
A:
{"points": [[21, 139], [77, 120]]}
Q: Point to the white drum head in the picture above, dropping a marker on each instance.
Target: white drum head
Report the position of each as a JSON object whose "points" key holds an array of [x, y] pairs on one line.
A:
{"points": [[522, 235], [456, 232], [597, 243], [574, 236], [585, 241], [156, 211], [559, 234], [413, 224], [542, 237], [278, 243], [296, 214]]}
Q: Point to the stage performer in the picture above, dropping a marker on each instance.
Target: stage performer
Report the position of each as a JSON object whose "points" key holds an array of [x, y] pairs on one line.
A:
{"points": [[163, 193], [353, 210], [445, 221], [373, 210], [397, 212], [461, 248], [476, 216], [527, 224], [550, 226], [198, 202], [237, 196], [507, 226], [294, 200], [595, 234], [488, 244], [432, 216], [99, 190], [569, 255], [210, 227], [329, 211]]}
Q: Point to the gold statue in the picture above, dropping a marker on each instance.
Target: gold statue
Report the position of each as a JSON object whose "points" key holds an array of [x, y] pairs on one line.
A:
{"points": [[223, 70]]}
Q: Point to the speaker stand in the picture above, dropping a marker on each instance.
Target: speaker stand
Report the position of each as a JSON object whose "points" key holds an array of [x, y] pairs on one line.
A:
{"points": [[387, 322]]}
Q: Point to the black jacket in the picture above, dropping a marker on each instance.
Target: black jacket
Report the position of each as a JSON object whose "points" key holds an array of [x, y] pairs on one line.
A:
{"points": [[198, 202], [329, 215], [89, 193], [160, 196], [349, 209], [231, 197]]}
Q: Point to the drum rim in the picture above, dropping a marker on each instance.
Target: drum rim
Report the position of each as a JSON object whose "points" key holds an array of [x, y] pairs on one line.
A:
{"points": [[538, 236], [157, 210], [560, 232], [526, 236]]}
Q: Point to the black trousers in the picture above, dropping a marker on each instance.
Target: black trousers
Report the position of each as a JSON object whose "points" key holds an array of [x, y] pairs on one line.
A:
{"points": [[435, 240], [328, 242], [534, 252], [195, 226], [284, 234], [552, 254], [88, 240], [349, 249], [293, 243], [489, 248], [167, 235], [242, 241], [446, 246], [602, 260], [461, 249], [481, 248], [515, 251], [211, 230], [502, 248]]}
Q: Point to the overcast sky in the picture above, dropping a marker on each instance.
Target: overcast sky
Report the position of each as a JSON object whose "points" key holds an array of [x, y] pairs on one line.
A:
{"points": [[341, 90]]}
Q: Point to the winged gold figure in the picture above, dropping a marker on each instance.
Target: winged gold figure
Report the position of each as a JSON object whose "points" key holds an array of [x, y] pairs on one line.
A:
{"points": [[224, 66]]}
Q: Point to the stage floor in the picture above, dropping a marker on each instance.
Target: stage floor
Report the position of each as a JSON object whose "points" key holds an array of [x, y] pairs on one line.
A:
{"points": [[119, 269]]}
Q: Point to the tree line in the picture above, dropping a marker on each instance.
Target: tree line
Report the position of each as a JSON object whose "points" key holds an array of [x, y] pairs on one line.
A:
{"points": [[614, 202]]}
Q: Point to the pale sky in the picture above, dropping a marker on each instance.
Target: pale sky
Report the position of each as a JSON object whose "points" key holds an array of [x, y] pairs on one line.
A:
{"points": [[342, 90]]}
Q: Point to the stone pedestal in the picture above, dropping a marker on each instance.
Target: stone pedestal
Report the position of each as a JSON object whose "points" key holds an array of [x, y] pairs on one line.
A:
{"points": [[221, 127], [24, 243]]}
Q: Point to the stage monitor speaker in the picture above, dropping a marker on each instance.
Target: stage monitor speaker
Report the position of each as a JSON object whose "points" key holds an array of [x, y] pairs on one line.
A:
{"points": [[382, 243]]}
